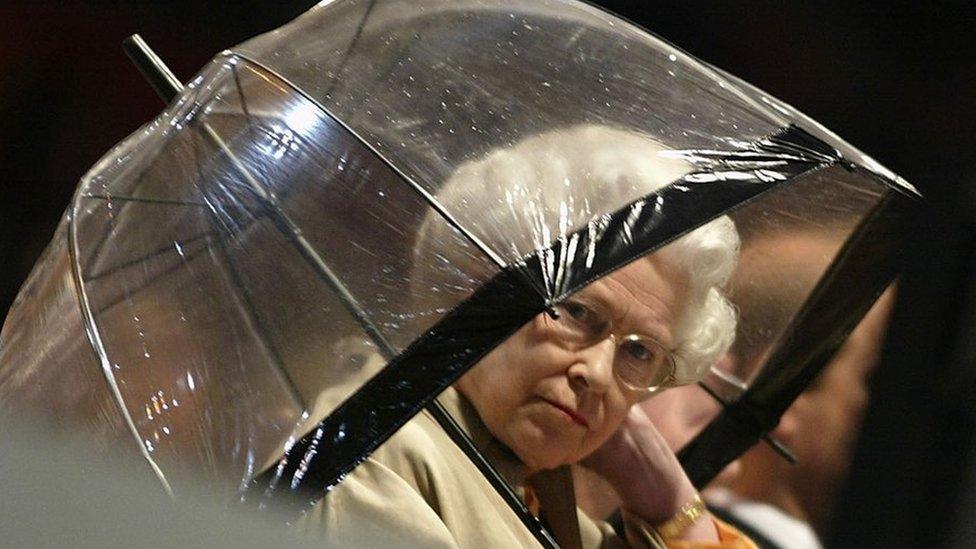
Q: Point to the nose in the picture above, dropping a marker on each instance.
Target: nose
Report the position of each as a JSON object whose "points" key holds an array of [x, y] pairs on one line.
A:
{"points": [[592, 369]]}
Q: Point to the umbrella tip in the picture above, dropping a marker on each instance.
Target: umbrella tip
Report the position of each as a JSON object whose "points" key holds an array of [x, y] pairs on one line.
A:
{"points": [[162, 80]]}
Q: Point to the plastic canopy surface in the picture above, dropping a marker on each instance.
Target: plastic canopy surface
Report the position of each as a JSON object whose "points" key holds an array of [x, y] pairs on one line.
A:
{"points": [[408, 180]]}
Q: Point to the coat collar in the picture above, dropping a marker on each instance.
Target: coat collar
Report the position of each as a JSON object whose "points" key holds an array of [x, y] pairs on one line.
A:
{"points": [[553, 490], [500, 456]]}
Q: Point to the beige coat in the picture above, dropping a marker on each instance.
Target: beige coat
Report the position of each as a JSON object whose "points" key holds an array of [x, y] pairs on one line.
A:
{"points": [[419, 490]]}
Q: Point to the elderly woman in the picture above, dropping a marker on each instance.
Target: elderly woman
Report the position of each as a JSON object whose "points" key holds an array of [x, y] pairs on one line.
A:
{"points": [[560, 390]]}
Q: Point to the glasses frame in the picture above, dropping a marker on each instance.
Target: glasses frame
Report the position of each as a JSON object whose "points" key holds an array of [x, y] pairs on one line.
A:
{"points": [[607, 332]]}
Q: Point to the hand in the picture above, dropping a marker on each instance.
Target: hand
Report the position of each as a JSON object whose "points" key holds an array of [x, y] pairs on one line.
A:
{"points": [[646, 474]]}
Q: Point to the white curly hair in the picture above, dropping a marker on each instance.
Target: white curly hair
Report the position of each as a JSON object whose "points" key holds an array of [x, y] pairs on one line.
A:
{"points": [[521, 199]]}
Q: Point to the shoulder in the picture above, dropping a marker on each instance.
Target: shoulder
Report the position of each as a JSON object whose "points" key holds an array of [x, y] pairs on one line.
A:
{"points": [[422, 455], [376, 507], [420, 483]]}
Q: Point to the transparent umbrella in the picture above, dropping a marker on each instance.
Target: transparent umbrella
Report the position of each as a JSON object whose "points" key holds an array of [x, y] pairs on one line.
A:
{"points": [[375, 179]]}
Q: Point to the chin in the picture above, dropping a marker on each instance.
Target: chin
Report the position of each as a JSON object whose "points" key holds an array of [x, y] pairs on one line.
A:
{"points": [[541, 463], [546, 454], [542, 441]]}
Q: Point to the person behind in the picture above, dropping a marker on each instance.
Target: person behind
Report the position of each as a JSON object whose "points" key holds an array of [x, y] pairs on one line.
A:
{"points": [[774, 500], [559, 390], [783, 504]]}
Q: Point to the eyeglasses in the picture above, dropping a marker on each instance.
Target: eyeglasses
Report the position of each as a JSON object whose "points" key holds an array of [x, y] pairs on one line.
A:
{"points": [[640, 362]]}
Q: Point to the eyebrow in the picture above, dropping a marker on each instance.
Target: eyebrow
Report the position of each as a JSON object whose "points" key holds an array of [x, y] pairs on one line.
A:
{"points": [[653, 324]]}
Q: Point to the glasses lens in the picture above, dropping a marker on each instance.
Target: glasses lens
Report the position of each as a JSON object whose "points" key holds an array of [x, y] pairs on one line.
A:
{"points": [[642, 363], [579, 323]]}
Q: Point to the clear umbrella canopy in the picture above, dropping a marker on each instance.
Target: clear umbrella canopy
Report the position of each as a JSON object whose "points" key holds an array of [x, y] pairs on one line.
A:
{"points": [[340, 217]]}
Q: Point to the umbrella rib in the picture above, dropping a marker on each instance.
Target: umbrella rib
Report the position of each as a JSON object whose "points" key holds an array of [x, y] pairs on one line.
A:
{"points": [[98, 348], [151, 255], [291, 231], [246, 304], [352, 45], [123, 198], [443, 418], [106, 306]]}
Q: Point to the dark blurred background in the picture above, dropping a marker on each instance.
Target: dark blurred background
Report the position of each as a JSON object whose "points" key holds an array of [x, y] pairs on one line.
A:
{"points": [[896, 81]]}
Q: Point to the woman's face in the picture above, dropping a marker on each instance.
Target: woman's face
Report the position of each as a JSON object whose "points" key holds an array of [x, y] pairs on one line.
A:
{"points": [[553, 404]]}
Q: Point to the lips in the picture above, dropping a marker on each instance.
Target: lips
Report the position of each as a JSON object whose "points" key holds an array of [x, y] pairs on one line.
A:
{"points": [[573, 414]]}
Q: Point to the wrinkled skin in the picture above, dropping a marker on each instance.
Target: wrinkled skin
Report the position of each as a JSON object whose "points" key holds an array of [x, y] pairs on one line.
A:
{"points": [[554, 406]]}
